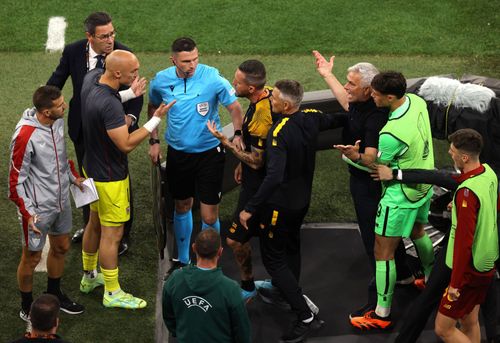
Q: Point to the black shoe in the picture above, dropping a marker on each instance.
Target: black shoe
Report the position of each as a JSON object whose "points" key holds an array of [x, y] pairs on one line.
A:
{"points": [[124, 246], [175, 264], [69, 306], [78, 236], [273, 296], [360, 312], [300, 330]]}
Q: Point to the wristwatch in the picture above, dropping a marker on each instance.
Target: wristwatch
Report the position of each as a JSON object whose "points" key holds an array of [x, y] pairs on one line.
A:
{"points": [[153, 141], [237, 132]]}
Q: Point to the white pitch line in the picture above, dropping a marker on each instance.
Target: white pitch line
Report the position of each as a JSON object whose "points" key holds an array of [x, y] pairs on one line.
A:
{"points": [[55, 34]]}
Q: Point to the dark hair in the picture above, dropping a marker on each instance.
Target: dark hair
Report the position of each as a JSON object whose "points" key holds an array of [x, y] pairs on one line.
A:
{"points": [[255, 73], [44, 97], [207, 243], [96, 19], [183, 44], [390, 83], [290, 89], [44, 312], [467, 140]]}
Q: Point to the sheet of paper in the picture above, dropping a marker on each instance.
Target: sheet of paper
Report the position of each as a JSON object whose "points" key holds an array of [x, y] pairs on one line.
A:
{"points": [[89, 194]]}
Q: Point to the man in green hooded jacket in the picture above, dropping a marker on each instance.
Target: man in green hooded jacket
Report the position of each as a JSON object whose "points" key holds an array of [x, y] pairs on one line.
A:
{"points": [[200, 304]]}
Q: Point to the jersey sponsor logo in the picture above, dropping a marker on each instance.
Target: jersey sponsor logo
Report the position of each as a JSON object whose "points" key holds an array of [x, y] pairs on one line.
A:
{"points": [[203, 108], [192, 300], [171, 88]]}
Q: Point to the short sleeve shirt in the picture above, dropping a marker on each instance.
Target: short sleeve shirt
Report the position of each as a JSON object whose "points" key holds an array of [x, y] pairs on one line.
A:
{"points": [[102, 110], [198, 98]]}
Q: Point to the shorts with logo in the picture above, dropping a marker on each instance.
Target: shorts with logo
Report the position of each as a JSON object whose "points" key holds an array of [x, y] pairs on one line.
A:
{"points": [[113, 205], [393, 221], [236, 231], [196, 174], [52, 223], [470, 296]]}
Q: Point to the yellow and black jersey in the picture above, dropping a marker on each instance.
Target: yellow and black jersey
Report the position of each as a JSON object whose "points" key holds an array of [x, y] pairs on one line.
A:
{"points": [[256, 124], [257, 121]]}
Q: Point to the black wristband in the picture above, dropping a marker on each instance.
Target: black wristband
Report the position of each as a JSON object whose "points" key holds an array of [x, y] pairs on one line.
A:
{"points": [[237, 132], [395, 174], [153, 141]]}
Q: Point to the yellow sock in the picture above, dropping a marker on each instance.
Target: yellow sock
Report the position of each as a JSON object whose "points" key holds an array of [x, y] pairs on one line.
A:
{"points": [[110, 276], [89, 261]]}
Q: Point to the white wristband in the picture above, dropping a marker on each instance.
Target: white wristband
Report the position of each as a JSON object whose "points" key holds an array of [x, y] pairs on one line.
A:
{"points": [[152, 123], [400, 175], [127, 94]]}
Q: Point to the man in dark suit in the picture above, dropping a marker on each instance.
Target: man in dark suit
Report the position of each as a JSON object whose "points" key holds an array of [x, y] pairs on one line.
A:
{"points": [[77, 59]]}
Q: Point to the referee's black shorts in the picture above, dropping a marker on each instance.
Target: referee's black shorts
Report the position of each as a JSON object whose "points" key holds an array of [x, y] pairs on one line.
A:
{"points": [[196, 174]]}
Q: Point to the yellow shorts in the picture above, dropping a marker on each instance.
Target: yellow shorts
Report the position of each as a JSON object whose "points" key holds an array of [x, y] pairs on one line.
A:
{"points": [[113, 205]]}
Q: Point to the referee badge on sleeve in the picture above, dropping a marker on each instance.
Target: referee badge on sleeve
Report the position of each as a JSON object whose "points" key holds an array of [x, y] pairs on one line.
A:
{"points": [[203, 108]]}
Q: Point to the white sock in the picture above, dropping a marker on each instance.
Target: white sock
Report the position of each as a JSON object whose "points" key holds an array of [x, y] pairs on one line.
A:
{"points": [[383, 311]]}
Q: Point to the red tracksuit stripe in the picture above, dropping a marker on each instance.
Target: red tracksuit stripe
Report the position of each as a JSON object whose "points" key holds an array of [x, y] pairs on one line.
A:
{"points": [[20, 144]]}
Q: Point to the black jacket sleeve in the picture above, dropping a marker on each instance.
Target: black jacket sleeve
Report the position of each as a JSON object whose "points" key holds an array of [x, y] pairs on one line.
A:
{"points": [[62, 72], [276, 155], [441, 178], [133, 106]]}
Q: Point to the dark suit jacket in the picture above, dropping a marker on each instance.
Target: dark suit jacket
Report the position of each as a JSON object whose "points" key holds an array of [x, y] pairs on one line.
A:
{"points": [[74, 63]]}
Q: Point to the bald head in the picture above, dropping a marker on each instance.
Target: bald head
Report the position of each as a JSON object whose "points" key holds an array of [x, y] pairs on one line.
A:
{"points": [[122, 66]]}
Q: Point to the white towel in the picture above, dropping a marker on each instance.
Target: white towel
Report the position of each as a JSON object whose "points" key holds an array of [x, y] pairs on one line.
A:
{"points": [[444, 91]]}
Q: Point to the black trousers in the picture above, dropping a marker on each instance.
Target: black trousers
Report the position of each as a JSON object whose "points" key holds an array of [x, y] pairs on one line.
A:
{"points": [[80, 152], [366, 196], [280, 250], [422, 308]]}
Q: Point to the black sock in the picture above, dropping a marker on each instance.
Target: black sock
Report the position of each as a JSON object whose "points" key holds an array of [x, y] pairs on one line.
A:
{"points": [[54, 286], [26, 300], [248, 285]]}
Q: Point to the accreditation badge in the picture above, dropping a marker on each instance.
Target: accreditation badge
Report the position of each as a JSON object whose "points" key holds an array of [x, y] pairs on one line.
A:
{"points": [[203, 108]]}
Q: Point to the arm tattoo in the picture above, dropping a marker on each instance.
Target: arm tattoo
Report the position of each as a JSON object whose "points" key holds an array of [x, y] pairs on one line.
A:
{"points": [[254, 159]]}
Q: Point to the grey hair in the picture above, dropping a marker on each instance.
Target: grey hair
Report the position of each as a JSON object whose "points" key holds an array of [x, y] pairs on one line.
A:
{"points": [[366, 70], [290, 90]]}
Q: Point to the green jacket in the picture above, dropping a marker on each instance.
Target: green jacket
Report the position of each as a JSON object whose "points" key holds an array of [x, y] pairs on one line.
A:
{"points": [[204, 306]]}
